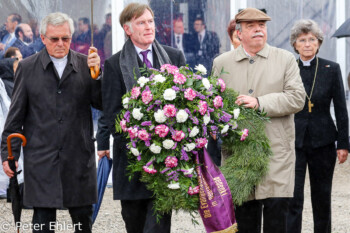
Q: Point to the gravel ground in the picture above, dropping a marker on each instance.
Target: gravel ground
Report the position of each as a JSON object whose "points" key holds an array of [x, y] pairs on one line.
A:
{"points": [[110, 220]]}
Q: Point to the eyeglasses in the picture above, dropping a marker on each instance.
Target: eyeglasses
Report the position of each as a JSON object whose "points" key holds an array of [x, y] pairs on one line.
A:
{"points": [[64, 39], [310, 40]]}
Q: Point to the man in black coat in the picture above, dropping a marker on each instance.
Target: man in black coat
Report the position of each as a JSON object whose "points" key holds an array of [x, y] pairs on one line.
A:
{"points": [[138, 23], [51, 106]]}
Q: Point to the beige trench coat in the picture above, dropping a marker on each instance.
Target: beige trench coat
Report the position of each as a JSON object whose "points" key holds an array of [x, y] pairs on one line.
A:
{"points": [[274, 78]]}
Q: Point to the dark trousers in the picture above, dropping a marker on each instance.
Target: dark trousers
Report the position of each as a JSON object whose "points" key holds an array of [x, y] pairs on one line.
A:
{"points": [[139, 217], [320, 162], [44, 220], [273, 210]]}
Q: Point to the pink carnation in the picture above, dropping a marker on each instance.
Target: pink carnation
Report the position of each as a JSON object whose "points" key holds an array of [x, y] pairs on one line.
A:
{"points": [[244, 134], [201, 142], [135, 92], [222, 84], [162, 130], [203, 106], [123, 125], [193, 191], [179, 78], [218, 102], [147, 97], [149, 170], [178, 135], [190, 94], [170, 68], [169, 110], [171, 161], [143, 135], [132, 132]]}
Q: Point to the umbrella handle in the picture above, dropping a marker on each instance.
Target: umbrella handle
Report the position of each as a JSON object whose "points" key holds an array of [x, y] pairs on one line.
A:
{"points": [[95, 71], [9, 149]]}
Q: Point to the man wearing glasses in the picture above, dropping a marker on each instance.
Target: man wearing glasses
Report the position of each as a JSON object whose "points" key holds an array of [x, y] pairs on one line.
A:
{"points": [[51, 106]]}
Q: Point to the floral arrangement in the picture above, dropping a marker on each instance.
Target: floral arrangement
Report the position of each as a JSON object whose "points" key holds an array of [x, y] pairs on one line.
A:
{"points": [[167, 118]]}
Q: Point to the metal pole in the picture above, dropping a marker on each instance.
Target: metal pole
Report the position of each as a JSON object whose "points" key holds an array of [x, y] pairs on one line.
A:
{"points": [[92, 23]]}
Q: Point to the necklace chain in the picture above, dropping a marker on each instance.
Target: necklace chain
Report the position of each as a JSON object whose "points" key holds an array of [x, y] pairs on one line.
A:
{"points": [[313, 84]]}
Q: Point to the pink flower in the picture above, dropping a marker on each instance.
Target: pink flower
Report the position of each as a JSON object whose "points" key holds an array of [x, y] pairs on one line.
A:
{"points": [[169, 110], [222, 84], [193, 191], [170, 68], [179, 78], [203, 107], [123, 125], [201, 142], [135, 92], [171, 161], [147, 96], [132, 132], [149, 170], [244, 134], [190, 94], [178, 135], [218, 102], [143, 135], [162, 130]]}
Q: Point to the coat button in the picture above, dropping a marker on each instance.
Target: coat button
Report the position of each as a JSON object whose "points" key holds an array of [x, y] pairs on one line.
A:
{"points": [[60, 121], [250, 91], [59, 91]]}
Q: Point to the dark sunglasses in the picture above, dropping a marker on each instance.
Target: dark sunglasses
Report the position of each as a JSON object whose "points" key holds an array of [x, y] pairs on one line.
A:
{"points": [[56, 39]]}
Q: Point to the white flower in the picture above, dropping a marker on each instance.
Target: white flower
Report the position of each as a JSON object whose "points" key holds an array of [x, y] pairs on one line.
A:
{"points": [[174, 185], [194, 132], [236, 113], [137, 114], [189, 171], [155, 149], [224, 130], [142, 81], [168, 144], [206, 83], [126, 102], [201, 69], [159, 116], [135, 151], [206, 119], [159, 78], [181, 116], [189, 147], [169, 94]]}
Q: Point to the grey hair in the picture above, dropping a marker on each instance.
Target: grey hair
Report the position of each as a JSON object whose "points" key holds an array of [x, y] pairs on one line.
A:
{"points": [[56, 19], [305, 26], [239, 27]]}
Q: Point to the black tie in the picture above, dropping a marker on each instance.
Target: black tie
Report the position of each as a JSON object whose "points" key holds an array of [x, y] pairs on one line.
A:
{"points": [[177, 39]]}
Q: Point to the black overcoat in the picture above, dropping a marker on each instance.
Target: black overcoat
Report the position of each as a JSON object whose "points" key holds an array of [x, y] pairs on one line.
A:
{"points": [[55, 116], [113, 89]]}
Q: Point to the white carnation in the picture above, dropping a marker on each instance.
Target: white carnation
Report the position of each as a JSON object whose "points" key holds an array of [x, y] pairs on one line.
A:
{"points": [[137, 114], [201, 69], [206, 83], [142, 81], [236, 113], [126, 102], [169, 94], [135, 151], [168, 144], [159, 116], [224, 130], [194, 131], [155, 149], [159, 78], [174, 185], [189, 171], [181, 116], [189, 147], [206, 119]]}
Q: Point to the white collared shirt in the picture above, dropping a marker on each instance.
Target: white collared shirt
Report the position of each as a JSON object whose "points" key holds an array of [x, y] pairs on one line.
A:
{"points": [[60, 64], [178, 45], [149, 54], [308, 62]]}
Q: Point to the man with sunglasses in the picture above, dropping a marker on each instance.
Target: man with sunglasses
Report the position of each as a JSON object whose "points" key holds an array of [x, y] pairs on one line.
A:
{"points": [[51, 106]]}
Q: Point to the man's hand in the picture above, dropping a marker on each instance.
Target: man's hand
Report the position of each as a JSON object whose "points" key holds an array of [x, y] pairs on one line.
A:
{"points": [[342, 155], [2, 46], [7, 169], [247, 101], [102, 153], [93, 58]]}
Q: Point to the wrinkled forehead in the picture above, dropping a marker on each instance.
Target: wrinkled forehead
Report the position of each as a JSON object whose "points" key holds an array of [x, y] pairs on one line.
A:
{"points": [[58, 30]]}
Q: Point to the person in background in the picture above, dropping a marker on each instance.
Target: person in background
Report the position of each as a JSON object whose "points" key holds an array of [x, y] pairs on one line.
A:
{"points": [[316, 132], [183, 41], [8, 67], [81, 43], [232, 33], [24, 35], [13, 52], [7, 40]]}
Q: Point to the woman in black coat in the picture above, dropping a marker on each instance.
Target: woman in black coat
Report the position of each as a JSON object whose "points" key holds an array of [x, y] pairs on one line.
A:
{"points": [[318, 140]]}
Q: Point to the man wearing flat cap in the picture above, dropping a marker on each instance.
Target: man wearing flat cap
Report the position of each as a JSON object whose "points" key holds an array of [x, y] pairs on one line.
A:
{"points": [[267, 79]]}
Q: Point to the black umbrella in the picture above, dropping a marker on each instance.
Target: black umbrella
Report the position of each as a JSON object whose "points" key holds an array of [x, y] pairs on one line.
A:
{"points": [[343, 30], [14, 187]]}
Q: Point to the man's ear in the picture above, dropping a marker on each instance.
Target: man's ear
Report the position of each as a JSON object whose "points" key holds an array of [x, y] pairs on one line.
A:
{"points": [[127, 29]]}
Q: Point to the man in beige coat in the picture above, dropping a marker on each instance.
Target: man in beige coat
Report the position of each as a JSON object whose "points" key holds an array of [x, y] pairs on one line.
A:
{"points": [[267, 78]]}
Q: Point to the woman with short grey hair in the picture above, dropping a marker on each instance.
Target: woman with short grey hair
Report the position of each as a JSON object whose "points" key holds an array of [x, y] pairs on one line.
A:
{"points": [[315, 130]]}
